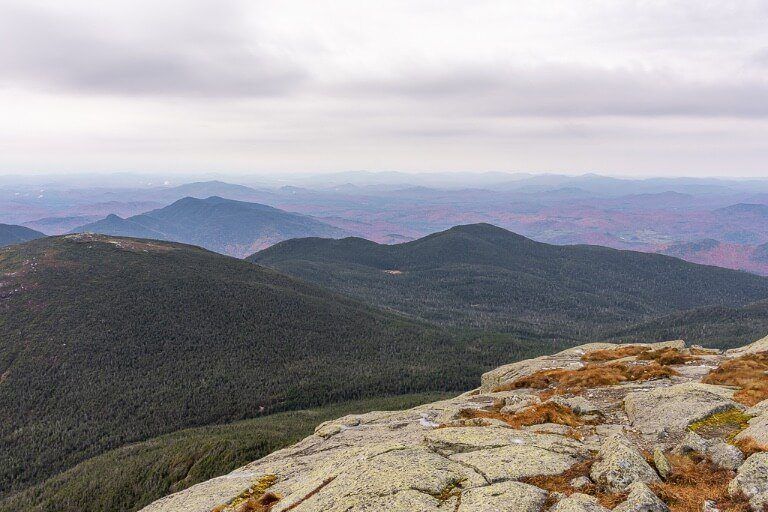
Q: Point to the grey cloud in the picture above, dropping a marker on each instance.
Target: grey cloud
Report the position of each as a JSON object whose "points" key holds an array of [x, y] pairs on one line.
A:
{"points": [[573, 91], [40, 50], [760, 58]]}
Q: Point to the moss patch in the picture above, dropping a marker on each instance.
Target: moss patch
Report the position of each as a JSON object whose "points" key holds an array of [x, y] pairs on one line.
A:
{"points": [[723, 425], [255, 498], [452, 490]]}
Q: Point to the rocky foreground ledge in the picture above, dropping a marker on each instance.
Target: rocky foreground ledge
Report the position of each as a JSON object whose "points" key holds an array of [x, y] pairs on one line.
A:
{"points": [[628, 428]]}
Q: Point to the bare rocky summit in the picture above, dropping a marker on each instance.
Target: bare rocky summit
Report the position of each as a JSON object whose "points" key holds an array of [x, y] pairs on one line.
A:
{"points": [[629, 428]]}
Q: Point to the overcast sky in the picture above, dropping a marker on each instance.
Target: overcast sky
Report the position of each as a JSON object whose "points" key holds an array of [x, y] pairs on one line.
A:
{"points": [[618, 87]]}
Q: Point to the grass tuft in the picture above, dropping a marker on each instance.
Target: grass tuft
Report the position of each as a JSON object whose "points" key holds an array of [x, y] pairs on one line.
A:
{"points": [[749, 372], [749, 446], [663, 356], [694, 481], [538, 414], [254, 499], [562, 484], [590, 376]]}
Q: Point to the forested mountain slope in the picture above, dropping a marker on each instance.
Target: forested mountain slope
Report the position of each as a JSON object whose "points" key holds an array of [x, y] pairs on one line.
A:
{"points": [[129, 477], [714, 326], [223, 225], [12, 234], [483, 276], [106, 340]]}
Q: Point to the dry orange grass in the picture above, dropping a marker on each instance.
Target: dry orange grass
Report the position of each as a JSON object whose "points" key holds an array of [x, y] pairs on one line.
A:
{"points": [[262, 504], [749, 372], [535, 415], [663, 356], [667, 356], [590, 376], [749, 446], [692, 482], [562, 483], [611, 354]]}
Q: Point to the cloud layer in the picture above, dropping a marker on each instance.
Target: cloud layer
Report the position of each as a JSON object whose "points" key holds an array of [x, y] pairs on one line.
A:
{"points": [[622, 86]]}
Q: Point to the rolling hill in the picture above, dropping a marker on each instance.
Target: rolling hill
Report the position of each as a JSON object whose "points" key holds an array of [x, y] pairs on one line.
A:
{"points": [[486, 277], [107, 341], [225, 226], [11, 234]]}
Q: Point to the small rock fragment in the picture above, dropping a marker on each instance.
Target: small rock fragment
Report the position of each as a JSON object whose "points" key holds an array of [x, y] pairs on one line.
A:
{"points": [[515, 403], [577, 404], [662, 464], [578, 502], [641, 499], [581, 481]]}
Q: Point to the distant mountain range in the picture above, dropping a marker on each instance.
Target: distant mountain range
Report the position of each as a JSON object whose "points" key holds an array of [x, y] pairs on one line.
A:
{"points": [[650, 215], [226, 226], [487, 277], [11, 234]]}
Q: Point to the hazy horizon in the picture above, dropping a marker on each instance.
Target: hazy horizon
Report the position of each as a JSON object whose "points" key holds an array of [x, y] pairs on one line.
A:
{"points": [[669, 88], [324, 179]]}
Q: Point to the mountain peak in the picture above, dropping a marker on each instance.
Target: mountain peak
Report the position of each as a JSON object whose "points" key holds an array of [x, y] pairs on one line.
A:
{"points": [[483, 228]]}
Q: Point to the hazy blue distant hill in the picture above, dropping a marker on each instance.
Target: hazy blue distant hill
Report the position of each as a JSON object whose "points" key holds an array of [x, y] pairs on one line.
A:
{"points": [[11, 234], [60, 225], [236, 228], [483, 276], [759, 210], [132, 226], [685, 249], [203, 189]]}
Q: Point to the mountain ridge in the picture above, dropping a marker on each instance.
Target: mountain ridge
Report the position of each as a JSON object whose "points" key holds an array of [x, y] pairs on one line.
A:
{"points": [[512, 281], [227, 226]]}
